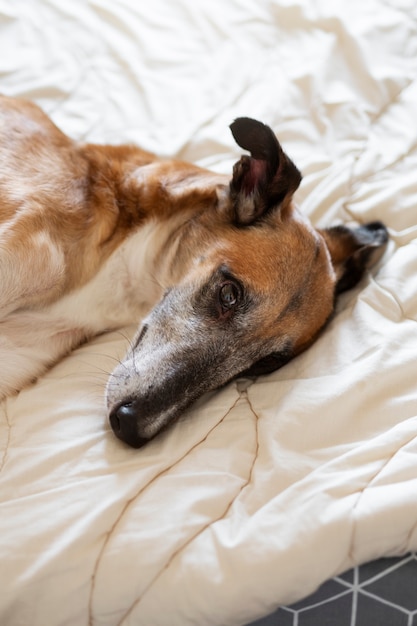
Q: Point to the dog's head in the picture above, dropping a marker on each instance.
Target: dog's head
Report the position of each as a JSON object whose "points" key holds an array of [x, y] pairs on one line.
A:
{"points": [[257, 284]]}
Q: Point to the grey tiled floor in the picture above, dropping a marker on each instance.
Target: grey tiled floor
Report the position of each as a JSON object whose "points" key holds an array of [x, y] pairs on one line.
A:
{"points": [[380, 593]]}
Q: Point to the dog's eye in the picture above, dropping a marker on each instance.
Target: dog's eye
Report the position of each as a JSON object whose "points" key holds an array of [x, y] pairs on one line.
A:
{"points": [[228, 296]]}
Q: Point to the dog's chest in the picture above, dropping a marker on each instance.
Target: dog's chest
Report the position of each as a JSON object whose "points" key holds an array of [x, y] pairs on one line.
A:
{"points": [[121, 293]]}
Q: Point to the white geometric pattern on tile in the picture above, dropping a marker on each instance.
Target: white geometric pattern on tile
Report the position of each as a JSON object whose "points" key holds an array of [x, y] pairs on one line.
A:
{"points": [[379, 593]]}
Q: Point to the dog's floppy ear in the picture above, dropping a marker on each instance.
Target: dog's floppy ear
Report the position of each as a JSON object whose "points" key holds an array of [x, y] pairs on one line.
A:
{"points": [[353, 250], [265, 179]]}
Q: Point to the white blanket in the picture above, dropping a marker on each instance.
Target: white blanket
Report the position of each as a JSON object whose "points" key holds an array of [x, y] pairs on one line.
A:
{"points": [[264, 490]]}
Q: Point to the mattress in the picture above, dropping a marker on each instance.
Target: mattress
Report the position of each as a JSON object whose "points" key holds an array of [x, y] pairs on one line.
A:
{"points": [[267, 488]]}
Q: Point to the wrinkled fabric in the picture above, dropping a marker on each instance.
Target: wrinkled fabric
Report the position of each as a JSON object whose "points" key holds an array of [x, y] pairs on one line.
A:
{"points": [[262, 491]]}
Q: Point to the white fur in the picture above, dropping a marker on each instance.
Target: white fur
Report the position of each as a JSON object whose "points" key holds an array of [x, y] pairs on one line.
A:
{"points": [[121, 293]]}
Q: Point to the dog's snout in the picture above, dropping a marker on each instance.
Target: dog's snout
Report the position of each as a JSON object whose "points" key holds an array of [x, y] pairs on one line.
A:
{"points": [[124, 420]]}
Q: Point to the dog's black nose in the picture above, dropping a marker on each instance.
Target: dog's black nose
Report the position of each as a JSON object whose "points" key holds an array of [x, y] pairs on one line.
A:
{"points": [[124, 422]]}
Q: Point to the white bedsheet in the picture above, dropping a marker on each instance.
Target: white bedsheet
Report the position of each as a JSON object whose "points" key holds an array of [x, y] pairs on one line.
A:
{"points": [[261, 492]]}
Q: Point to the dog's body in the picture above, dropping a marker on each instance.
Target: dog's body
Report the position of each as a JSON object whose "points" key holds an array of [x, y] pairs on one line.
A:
{"points": [[92, 237], [79, 247]]}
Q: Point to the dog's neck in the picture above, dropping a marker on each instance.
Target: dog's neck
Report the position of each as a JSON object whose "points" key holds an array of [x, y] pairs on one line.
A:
{"points": [[133, 187], [141, 206], [123, 188]]}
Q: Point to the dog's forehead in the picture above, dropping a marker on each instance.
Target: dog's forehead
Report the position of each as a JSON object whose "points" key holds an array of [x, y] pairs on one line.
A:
{"points": [[267, 254]]}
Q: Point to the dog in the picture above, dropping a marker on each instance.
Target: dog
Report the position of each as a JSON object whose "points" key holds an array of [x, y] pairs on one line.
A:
{"points": [[227, 275]]}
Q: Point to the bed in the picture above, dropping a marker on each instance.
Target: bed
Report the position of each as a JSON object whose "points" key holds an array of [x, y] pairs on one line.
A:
{"points": [[268, 488]]}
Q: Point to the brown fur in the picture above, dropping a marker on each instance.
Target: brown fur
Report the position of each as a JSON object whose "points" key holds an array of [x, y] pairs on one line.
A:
{"points": [[91, 235]]}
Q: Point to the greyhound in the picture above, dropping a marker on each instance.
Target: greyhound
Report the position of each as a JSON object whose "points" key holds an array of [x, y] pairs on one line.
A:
{"points": [[227, 275]]}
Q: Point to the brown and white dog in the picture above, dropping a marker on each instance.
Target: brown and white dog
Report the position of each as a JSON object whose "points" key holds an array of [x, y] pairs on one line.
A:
{"points": [[94, 237]]}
